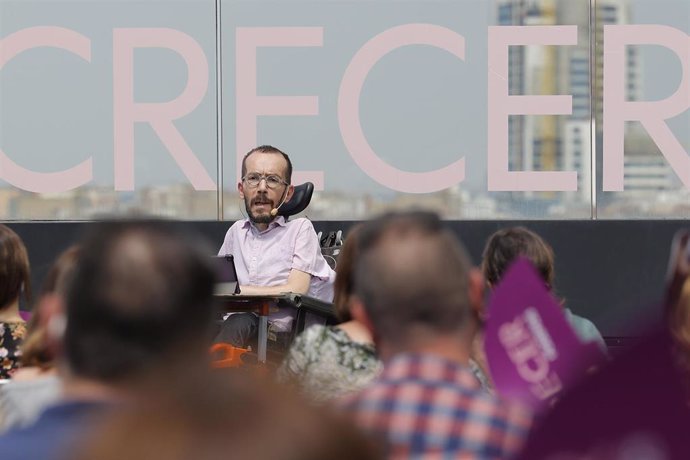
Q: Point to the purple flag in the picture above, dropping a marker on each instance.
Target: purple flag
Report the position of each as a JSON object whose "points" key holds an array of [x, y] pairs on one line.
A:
{"points": [[635, 408], [532, 352]]}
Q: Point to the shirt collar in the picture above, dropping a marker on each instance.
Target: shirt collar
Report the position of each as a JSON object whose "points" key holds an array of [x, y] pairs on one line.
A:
{"points": [[429, 367], [279, 221]]}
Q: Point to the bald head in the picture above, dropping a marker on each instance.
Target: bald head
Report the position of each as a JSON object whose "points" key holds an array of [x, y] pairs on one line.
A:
{"points": [[412, 276], [140, 292]]}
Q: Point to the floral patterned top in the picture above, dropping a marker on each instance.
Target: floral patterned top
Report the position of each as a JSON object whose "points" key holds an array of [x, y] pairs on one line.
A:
{"points": [[11, 336], [326, 364]]}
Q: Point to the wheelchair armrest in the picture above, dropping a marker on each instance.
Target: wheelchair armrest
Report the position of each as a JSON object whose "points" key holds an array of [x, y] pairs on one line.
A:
{"points": [[305, 304], [312, 305]]}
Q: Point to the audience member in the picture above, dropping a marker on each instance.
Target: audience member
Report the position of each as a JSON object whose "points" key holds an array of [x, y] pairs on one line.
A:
{"points": [[219, 417], [140, 302], [272, 255], [506, 245], [35, 384], [501, 250], [414, 290], [679, 324], [15, 280], [328, 362], [637, 406]]}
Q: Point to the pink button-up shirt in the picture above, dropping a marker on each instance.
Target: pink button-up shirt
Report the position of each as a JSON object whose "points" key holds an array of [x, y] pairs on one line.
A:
{"points": [[266, 258]]}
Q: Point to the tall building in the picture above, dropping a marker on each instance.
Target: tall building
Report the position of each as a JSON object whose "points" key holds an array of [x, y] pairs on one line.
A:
{"points": [[547, 143], [645, 169], [612, 12]]}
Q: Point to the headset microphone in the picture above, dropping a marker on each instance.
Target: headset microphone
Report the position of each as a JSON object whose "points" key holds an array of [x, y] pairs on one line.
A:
{"points": [[274, 211]]}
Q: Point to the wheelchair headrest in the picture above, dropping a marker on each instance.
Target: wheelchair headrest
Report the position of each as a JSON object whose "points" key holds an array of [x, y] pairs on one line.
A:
{"points": [[299, 201]]}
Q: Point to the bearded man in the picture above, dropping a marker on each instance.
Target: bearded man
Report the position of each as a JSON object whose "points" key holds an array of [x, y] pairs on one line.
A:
{"points": [[272, 255]]}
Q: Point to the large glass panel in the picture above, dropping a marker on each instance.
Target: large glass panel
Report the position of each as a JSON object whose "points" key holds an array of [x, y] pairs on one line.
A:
{"points": [[383, 100], [549, 62], [642, 118], [107, 106]]}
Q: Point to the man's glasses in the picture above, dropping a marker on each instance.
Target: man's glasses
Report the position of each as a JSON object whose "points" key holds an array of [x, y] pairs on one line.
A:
{"points": [[272, 181]]}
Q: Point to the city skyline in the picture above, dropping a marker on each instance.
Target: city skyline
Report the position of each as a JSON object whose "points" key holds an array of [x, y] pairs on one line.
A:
{"points": [[415, 134]]}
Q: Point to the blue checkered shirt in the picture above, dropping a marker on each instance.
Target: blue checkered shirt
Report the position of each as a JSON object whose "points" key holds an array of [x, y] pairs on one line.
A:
{"points": [[425, 406]]}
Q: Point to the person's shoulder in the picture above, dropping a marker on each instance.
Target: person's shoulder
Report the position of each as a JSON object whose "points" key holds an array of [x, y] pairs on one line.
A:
{"points": [[355, 402], [13, 329], [235, 229], [301, 222], [514, 421], [314, 333], [42, 439], [576, 319], [511, 412], [302, 228], [237, 224], [506, 423], [585, 329]]}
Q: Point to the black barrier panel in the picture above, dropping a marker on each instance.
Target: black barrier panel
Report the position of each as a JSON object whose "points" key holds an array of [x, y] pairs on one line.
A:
{"points": [[611, 272]]}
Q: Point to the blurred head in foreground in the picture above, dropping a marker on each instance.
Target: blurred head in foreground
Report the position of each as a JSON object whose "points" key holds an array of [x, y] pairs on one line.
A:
{"points": [[140, 299], [227, 414]]}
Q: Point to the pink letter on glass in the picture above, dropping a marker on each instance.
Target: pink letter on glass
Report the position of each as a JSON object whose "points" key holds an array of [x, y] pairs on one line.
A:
{"points": [[159, 115], [348, 108], [651, 114], [25, 179], [250, 106], [501, 105]]}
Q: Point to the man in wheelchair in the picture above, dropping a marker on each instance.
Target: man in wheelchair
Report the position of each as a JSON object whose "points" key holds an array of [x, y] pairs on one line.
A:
{"points": [[273, 255]]}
